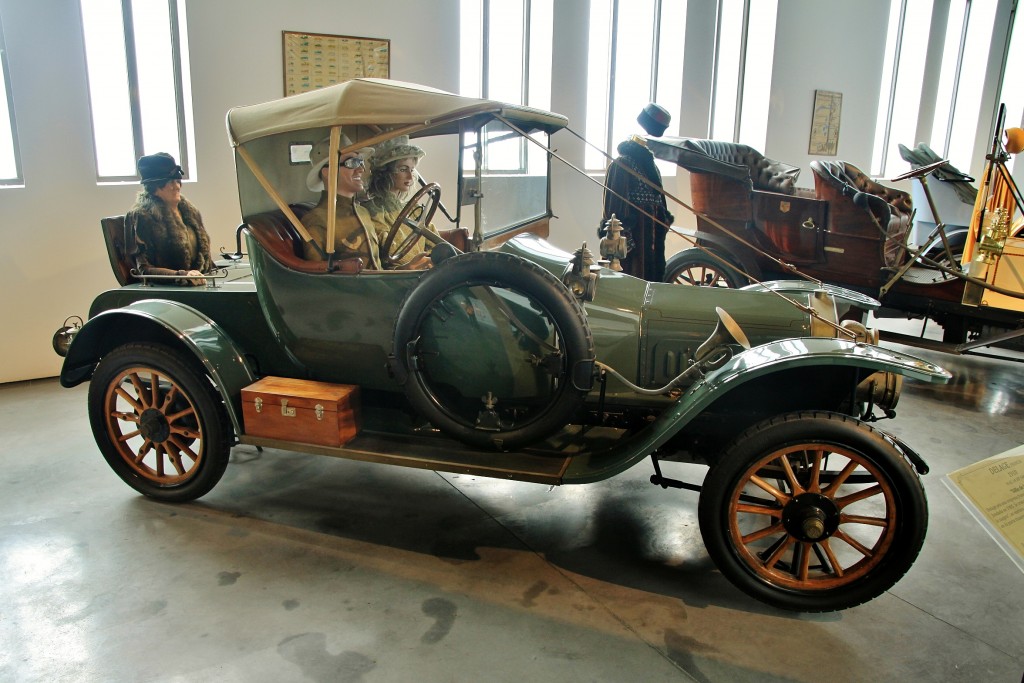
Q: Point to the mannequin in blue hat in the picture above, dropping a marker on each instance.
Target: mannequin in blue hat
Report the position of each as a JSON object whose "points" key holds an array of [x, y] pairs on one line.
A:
{"points": [[640, 208], [169, 237]]}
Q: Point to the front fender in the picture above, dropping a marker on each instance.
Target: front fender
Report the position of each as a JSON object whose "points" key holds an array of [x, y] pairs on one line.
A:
{"points": [[171, 323], [745, 367]]}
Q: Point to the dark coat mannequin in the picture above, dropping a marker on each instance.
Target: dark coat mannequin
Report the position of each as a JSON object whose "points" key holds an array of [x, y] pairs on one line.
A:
{"points": [[645, 235]]}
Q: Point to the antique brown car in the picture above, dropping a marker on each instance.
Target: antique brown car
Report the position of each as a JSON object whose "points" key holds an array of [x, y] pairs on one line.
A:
{"points": [[754, 224]]}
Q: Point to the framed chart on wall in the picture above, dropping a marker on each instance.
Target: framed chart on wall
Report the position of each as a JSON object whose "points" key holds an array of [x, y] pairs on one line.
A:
{"points": [[317, 60], [828, 109]]}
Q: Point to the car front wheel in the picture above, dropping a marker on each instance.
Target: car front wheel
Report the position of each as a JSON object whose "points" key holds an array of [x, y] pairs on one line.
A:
{"points": [[813, 512], [159, 422]]}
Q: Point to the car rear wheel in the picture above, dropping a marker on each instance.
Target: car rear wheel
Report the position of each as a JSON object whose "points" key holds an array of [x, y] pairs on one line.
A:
{"points": [[697, 268], [159, 422], [813, 512]]}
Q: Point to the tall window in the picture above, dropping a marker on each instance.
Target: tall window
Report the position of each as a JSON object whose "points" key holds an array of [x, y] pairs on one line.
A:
{"points": [[635, 57], [10, 159], [744, 56], [137, 60], [1011, 95], [967, 41], [505, 55]]}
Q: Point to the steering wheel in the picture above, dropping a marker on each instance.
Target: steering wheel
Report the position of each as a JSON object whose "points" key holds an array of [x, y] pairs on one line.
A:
{"points": [[391, 254], [920, 171]]}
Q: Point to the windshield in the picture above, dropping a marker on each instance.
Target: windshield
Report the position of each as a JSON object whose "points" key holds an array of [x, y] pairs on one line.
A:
{"points": [[504, 179]]}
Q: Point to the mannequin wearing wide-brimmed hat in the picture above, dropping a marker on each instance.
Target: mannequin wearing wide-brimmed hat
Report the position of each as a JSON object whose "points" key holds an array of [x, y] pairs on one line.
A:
{"points": [[354, 234], [169, 235], [646, 235], [392, 183]]}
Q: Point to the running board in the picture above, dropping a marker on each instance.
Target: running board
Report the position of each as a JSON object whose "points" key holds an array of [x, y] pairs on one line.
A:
{"points": [[444, 456]]}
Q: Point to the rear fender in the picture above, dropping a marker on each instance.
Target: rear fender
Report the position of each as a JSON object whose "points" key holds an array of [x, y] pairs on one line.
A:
{"points": [[170, 323], [745, 367]]}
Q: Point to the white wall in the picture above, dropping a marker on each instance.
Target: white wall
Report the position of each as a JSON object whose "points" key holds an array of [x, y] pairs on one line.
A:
{"points": [[53, 262], [837, 46]]}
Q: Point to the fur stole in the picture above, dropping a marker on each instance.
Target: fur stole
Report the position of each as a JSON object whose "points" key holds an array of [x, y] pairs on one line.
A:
{"points": [[642, 159], [167, 241]]}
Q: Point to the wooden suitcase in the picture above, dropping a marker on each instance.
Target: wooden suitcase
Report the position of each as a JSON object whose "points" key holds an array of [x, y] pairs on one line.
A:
{"points": [[301, 410]]}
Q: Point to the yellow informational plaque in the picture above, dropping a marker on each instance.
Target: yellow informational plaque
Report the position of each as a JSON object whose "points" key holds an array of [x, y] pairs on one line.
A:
{"points": [[993, 491]]}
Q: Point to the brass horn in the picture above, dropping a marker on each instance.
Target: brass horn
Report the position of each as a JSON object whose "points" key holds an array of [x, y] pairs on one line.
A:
{"points": [[715, 351]]}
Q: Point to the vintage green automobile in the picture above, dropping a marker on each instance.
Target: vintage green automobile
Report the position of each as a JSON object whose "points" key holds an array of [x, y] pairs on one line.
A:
{"points": [[513, 359]]}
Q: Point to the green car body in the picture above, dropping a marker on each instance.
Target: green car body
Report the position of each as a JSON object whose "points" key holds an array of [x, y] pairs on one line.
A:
{"points": [[516, 360]]}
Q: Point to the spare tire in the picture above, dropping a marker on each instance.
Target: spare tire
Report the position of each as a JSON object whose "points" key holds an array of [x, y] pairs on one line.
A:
{"points": [[493, 350]]}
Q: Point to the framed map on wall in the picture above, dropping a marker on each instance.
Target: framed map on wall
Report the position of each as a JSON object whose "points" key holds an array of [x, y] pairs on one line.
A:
{"points": [[317, 60], [828, 109]]}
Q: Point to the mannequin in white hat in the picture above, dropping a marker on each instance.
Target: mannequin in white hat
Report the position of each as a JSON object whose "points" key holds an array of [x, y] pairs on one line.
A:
{"points": [[354, 234], [392, 183]]}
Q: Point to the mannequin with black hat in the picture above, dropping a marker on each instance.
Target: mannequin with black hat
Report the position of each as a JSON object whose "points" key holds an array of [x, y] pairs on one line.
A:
{"points": [[639, 207], [164, 232]]}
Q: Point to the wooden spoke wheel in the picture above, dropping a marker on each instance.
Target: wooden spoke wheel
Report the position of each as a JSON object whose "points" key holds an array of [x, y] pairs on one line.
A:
{"points": [[159, 422], [813, 512], [696, 268]]}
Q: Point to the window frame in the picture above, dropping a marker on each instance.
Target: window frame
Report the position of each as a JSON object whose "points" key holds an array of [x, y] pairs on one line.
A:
{"points": [[483, 84], [184, 153], [18, 180], [940, 129]]}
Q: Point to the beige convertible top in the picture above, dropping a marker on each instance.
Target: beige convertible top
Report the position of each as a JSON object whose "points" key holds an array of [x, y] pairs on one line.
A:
{"points": [[377, 102]]}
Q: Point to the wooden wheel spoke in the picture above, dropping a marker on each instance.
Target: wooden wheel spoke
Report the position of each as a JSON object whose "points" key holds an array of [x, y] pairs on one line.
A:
{"points": [[803, 564], [814, 486], [183, 448], [840, 479], [853, 543], [143, 451], [787, 467], [779, 552], [154, 389], [130, 435], [169, 399], [833, 561], [769, 530], [187, 432], [160, 452], [753, 509], [859, 495], [775, 493], [174, 457], [861, 519], [189, 411], [134, 401]]}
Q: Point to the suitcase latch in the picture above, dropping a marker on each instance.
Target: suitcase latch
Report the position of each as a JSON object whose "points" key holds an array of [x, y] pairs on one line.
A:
{"points": [[287, 410], [259, 404], [319, 410]]}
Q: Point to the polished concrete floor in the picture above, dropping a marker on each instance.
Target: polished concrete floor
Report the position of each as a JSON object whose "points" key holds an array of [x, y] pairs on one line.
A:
{"points": [[305, 568]]}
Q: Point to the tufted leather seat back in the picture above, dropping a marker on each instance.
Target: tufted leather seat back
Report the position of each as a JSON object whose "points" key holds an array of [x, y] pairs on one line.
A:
{"points": [[839, 181], [278, 236], [765, 174]]}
